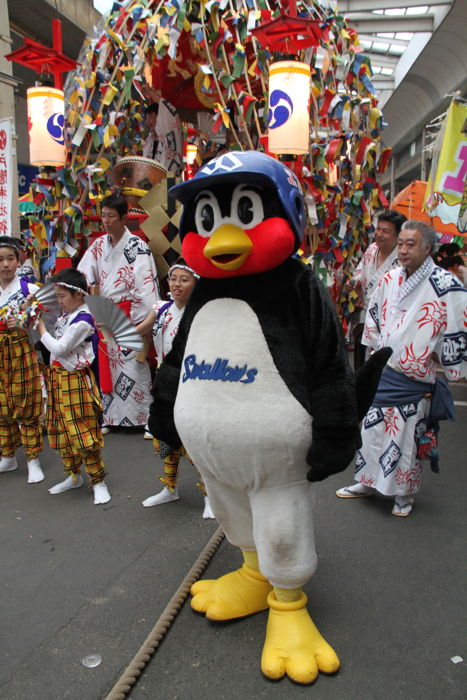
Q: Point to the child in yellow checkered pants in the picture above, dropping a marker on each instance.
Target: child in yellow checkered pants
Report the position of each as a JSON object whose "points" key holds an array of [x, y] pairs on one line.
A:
{"points": [[20, 384], [74, 403], [163, 321], [170, 479]]}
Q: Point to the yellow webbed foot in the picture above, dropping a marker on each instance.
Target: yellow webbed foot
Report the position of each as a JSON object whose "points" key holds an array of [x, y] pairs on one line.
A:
{"points": [[293, 645], [240, 593]]}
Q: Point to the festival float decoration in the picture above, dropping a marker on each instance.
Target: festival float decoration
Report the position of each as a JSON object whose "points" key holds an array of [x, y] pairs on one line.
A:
{"points": [[135, 176], [212, 62]]}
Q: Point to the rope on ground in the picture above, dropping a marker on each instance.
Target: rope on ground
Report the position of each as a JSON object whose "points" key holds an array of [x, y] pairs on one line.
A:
{"points": [[149, 646]]}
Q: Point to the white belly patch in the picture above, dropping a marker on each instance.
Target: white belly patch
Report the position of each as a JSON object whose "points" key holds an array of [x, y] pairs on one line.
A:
{"points": [[234, 413]]}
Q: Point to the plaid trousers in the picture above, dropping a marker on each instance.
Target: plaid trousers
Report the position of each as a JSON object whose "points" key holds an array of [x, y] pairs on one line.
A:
{"points": [[73, 412], [20, 395]]}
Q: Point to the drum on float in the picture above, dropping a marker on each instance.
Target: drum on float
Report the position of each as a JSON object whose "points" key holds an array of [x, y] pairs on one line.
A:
{"points": [[135, 176]]}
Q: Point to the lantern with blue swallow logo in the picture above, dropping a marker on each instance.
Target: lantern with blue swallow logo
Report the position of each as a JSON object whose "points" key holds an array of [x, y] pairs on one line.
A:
{"points": [[289, 113], [46, 122]]}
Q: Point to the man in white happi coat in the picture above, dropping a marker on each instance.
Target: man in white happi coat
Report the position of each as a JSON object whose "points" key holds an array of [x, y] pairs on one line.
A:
{"points": [[164, 141], [420, 311], [121, 265], [379, 258]]}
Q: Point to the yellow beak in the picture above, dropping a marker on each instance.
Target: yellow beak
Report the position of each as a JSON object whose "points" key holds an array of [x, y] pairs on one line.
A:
{"points": [[228, 247]]}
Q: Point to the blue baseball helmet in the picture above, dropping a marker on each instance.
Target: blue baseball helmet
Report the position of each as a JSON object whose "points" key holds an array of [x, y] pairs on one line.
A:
{"points": [[248, 167]]}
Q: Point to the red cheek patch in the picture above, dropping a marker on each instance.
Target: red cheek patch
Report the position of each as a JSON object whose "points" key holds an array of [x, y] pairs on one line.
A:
{"points": [[273, 242], [193, 251]]}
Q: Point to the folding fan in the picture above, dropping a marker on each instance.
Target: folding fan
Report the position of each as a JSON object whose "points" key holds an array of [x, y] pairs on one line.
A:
{"points": [[116, 321], [46, 297]]}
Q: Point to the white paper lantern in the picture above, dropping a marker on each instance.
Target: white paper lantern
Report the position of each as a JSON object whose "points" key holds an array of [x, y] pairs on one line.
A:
{"points": [[46, 110], [289, 112]]}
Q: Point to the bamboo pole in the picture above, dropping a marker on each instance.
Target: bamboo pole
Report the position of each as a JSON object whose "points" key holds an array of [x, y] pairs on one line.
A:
{"points": [[239, 109], [219, 92], [144, 42], [247, 77]]}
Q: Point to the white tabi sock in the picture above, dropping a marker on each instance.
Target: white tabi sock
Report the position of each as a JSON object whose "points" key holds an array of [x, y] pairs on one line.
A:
{"points": [[101, 493], [207, 512], [8, 464], [35, 473], [71, 482], [165, 496]]}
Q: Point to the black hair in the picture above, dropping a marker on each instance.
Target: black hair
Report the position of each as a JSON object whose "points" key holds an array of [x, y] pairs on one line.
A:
{"points": [[71, 276], [449, 248], [450, 261], [151, 109], [393, 217], [9, 242], [116, 201]]}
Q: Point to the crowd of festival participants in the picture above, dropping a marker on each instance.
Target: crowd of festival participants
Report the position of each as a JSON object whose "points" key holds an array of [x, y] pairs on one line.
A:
{"points": [[89, 386]]}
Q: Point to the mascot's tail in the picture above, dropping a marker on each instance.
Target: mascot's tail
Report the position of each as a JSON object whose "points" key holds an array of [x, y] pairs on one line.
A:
{"points": [[367, 378]]}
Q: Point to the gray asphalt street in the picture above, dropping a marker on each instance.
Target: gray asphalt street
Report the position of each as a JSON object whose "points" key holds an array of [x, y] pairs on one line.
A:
{"points": [[80, 580]]}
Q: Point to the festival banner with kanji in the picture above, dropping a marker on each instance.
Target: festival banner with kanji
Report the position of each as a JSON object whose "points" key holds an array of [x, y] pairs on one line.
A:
{"points": [[6, 177], [446, 185]]}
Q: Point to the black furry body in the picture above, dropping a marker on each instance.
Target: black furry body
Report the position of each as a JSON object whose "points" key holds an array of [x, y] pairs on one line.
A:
{"points": [[305, 339]]}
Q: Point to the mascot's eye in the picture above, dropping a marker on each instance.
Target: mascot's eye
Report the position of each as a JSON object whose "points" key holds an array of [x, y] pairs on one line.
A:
{"points": [[247, 207], [207, 217], [207, 214], [245, 210]]}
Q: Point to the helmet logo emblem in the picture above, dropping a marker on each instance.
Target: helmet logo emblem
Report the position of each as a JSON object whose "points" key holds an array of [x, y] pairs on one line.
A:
{"points": [[227, 163], [280, 109]]}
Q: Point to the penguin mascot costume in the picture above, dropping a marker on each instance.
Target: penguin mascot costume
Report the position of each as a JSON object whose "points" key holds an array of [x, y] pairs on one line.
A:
{"points": [[258, 389]]}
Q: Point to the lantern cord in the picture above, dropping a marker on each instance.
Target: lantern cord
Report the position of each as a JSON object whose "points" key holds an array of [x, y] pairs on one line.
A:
{"points": [[149, 646], [46, 78]]}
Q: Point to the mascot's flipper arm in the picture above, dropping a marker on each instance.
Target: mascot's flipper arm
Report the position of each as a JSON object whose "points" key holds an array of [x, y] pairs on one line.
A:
{"points": [[161, 411], [341, 454], [335, 428], [367, 378], [293, 644], [164, 391]]}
